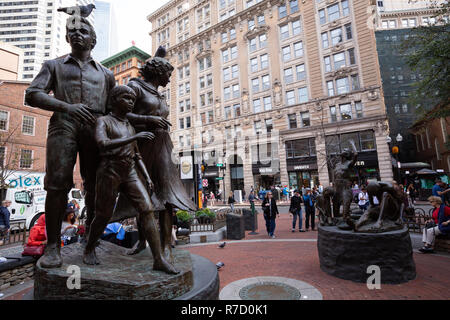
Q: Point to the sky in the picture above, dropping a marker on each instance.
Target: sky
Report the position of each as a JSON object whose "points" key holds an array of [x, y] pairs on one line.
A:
{"points": [[132, 23]]}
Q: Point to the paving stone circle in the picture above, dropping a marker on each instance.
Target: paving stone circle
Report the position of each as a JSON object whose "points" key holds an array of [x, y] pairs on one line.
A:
{"points": [[269, 288]]}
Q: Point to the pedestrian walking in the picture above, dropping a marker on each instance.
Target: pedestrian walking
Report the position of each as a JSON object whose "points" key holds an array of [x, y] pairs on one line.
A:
{"points": [[231, 201], [212, 198], [296, 210], [411, 193], [270, 209], [363, 198], [4, 221], [309, 210]]}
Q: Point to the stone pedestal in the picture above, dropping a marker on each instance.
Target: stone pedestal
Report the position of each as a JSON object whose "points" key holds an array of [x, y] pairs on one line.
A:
{"points": [[123, 277], [235, 226], [347, 255], [250, 220]]}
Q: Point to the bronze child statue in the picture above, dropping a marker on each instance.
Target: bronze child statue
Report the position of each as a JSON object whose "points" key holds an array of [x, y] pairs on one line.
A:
{"points": [[116, 139]]}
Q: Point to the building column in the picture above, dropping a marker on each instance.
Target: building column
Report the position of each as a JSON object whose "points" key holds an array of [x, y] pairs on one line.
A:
{"points": [[248, 172], [384, 157], [322, 165], [284, 177]]}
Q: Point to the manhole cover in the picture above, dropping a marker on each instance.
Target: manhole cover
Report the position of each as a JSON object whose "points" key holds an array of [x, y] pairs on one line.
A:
{"points": [[269, 291]]}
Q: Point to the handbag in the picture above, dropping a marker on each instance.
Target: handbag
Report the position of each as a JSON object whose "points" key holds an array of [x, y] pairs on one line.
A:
{"points": [[34, 251], [430, 224]]}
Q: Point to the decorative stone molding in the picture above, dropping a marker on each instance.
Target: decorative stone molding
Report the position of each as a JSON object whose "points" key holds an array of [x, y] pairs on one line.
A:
{"points": [[204, 53], [277, 89], [373, 95], [338, 47], [344, 71], [256, 31], [330, 1]]}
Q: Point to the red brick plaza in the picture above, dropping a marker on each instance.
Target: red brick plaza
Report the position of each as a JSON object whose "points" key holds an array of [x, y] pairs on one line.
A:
{"points": [[294, 255]]}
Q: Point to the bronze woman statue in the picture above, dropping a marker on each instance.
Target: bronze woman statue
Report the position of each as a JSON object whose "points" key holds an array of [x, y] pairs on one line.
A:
{"points": [[150, 114]]}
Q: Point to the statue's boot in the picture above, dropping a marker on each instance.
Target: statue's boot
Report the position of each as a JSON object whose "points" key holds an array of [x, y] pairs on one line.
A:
{"points": [[163, 265], [137, 248], [90, 257], [52, 257]]}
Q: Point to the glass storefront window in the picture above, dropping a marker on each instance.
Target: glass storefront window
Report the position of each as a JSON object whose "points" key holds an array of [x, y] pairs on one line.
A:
{"points": [[346, 141], [367, 141], [332, 144]]}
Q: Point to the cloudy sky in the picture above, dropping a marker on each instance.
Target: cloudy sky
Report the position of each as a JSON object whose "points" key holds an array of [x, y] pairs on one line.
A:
{"points": [[132, 24]]}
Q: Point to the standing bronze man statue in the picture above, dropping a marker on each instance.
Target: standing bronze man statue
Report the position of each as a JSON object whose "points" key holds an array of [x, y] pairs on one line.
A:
{"points": [[80, 88]]}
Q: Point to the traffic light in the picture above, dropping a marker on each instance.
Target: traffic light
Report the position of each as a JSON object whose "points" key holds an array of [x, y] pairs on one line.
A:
{"points": [[395, 150]]}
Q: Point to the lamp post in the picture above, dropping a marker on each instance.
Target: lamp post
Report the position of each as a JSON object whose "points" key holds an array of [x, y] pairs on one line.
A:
{"points": [[395, 150]]}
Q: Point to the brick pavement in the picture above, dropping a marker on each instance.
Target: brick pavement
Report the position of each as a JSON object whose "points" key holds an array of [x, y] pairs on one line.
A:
{"points": [[299, 260], [294, 255]]}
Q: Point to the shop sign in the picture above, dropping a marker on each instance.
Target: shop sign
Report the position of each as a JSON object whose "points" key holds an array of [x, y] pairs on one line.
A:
{"points": [[302, 167], [186, 168]]}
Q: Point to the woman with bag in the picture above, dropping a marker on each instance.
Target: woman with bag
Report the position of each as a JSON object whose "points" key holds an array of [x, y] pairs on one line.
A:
{"points": [[439, 224], [296, 210], [270, 209], [37, 239]]}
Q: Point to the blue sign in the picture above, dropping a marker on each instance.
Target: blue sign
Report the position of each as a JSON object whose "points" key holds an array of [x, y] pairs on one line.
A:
{"points": [[25, 182]]}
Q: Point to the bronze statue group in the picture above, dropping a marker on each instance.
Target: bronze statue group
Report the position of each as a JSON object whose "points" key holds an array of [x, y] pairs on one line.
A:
{"points": [[97, 120]]}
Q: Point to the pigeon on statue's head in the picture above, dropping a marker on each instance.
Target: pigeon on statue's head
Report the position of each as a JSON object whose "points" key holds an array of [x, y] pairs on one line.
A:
{"points": [[161, 52], [83, 11]]}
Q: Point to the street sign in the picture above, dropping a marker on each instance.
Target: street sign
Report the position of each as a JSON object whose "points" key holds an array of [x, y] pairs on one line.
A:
{"points": [[205, 183], [219, 178]]}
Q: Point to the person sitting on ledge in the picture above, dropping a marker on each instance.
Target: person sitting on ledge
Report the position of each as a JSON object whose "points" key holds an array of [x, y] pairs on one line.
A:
{"points": [[438, 224]]}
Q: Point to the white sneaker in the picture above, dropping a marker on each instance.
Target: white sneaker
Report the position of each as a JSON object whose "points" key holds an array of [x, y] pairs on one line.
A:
{"points": [[273, 237]]}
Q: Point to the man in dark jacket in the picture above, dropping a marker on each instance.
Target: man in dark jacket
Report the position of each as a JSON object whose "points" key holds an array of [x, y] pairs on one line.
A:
{"points": [[270, 209], [4, 220], [296, 210], [309, 209]]}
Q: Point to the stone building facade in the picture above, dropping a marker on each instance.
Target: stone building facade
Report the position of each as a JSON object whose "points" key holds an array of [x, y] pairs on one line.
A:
{"points": [[274, 89]]}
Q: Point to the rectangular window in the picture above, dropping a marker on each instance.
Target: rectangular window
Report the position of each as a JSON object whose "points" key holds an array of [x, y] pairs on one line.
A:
{"points": [[228, 112], [333, 115], [367, 139], [227, 93], [345, 8], [296, 27], [336, 36], [232, 34], [181, 106], [322, 16], [265, 82], [210, 116], [202, 82], [26, 159], [333, 12], [262, 40], [269, 125], [209, 80], [282, 12], [284, 32], [258, 127], [28, 125], [236, 92], [234, 71], [181, 123], [305, 119], [290, 97], [303, 95], [237, 110], [298, 49], [3, 120], [226, 74], [345, 111], [286, 53], [251, 24], [267, 103], [264, 61], [348, 31], [203, 118], [255, 85], [292, 119], [225, 56], [325, 43], [293, 4], [254, 65], [327, 62], [330, 88], [288, 75], [342, 85], [252, 44], [359, 109], [351, 56], [233, 51], [202, 100], [300, 71], [256, 105], [261, 20], [339, 60], [355, 82]]}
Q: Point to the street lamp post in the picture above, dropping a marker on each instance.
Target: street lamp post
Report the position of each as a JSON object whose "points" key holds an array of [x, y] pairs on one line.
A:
{"points": [[395, 151]]}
